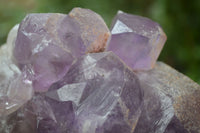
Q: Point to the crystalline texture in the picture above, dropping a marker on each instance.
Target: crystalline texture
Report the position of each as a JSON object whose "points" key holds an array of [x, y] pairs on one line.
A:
{"points": [[112, 98], [48, 43], [15, 90], [40, 115], [157, 112], [44, 45], [136, 40], [106, 98], [93, 92]]}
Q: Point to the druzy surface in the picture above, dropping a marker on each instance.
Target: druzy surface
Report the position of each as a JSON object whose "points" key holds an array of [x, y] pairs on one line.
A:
{"points": [[136, 40]]}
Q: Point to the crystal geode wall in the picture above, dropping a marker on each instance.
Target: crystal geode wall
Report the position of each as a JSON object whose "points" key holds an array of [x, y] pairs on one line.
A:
{"points": [[71, 74]]}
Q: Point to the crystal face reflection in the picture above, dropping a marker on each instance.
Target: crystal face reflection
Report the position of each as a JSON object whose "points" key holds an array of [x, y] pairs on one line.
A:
{"points": [[137, 40]]}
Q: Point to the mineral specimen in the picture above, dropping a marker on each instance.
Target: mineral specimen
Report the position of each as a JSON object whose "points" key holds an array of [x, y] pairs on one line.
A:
{"points": [[137, 40], [48, 43], [55, 78]]}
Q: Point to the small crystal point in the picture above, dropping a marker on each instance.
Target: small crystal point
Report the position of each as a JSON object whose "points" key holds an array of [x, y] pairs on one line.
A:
{"points": [[136, 40]]}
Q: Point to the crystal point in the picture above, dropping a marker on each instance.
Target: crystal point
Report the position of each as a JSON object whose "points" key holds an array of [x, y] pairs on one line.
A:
{"points": [[136, 40], [106, 98]]}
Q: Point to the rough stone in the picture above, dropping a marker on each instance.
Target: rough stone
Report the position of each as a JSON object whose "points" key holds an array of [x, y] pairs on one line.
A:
{"points": [[184, 92], [94, 31]]}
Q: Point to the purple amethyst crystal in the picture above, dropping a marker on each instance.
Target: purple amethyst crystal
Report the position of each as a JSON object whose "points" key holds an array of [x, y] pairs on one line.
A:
{"points": [[111, 98], [100, 95], [41, 115], [48, 43], [81, 89], [45, 48], [137, 40]]}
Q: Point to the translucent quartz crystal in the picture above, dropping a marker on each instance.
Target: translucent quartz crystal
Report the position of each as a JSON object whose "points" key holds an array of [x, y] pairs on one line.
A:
{"points": [[40, 115], [15, 89], [94, 31], [137, 40], [111, 101], [99, 94], [48, 43]]}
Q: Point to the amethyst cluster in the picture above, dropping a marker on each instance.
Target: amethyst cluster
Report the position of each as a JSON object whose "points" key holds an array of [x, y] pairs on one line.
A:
{"points": [[71, 74]]}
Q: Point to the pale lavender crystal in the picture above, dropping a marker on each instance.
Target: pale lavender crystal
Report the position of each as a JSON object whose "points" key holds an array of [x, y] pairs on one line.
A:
{"points": [[111, 98], [94, 31], [46, 45], [99, 94], [136, 40], [15, 89]]}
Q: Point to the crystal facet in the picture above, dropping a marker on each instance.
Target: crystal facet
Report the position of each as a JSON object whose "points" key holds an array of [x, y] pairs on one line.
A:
{"points": [[137, 40], [47, 44], [105, 102]]}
